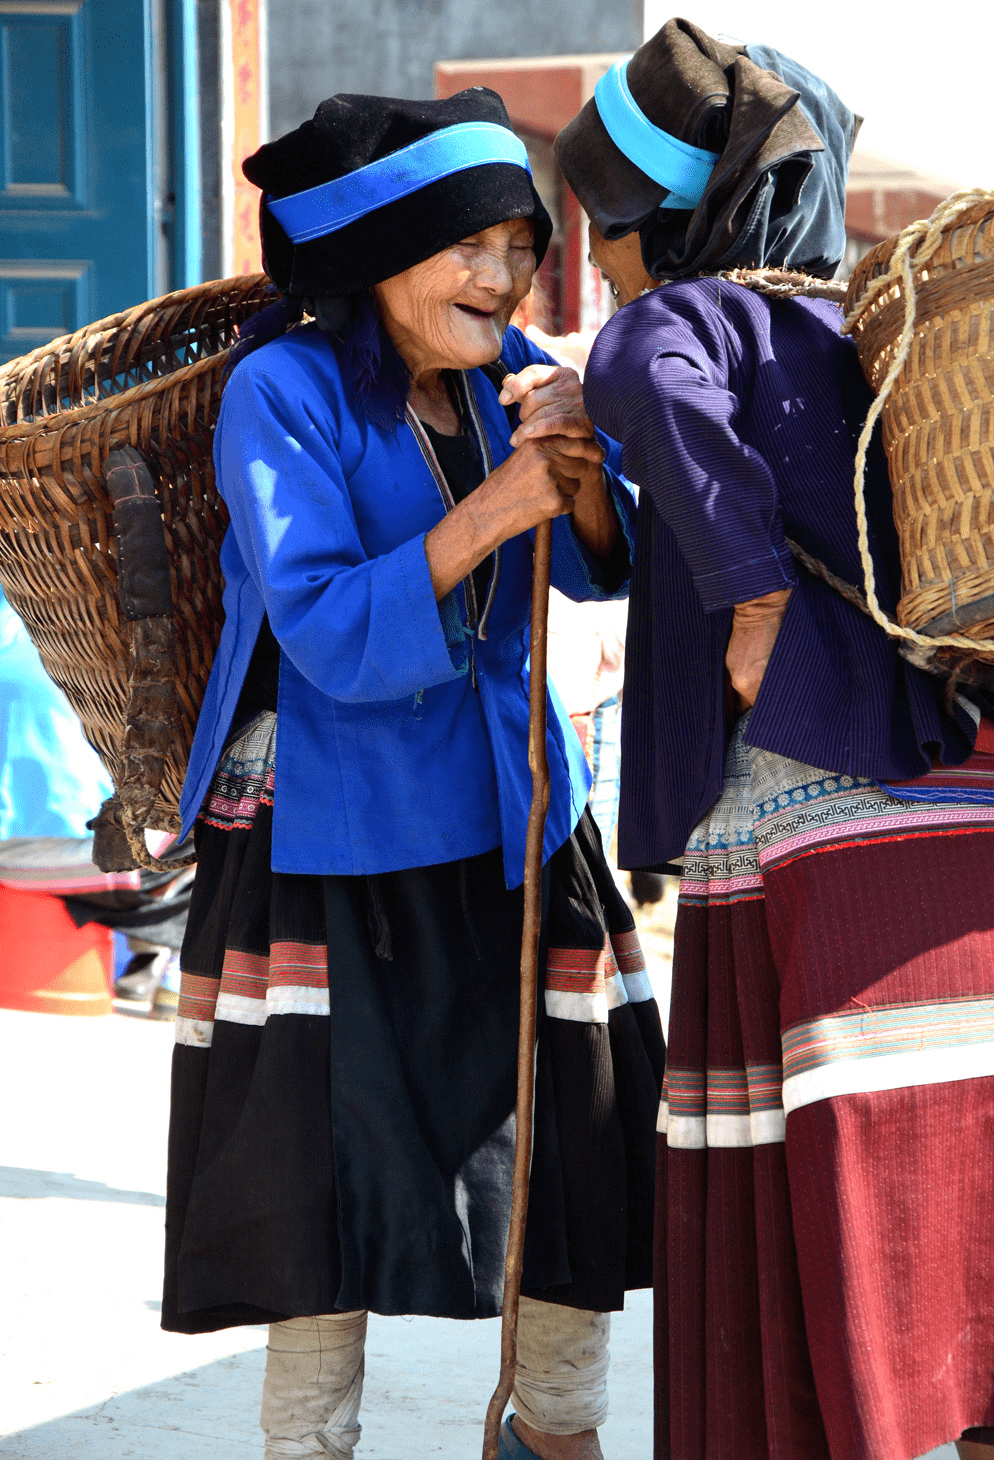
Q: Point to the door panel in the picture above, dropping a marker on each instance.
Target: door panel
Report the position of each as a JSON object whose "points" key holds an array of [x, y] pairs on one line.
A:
{"points": [[75, 196], [41, 56]]}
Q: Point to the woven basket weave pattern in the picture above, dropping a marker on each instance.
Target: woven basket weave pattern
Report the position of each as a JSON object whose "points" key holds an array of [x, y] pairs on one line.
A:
{"points": [[150, 378], [938, 424]]}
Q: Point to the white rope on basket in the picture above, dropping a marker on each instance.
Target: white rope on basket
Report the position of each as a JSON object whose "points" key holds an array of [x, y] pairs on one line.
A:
{"points": [[914, 247]]}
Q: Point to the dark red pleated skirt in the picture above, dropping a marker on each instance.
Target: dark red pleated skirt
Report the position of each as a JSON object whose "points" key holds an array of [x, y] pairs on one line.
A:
{"points": [[825, 1238]]}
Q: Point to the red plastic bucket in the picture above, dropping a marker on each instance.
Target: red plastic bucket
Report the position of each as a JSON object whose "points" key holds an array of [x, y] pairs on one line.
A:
{"points": [[47, 964]]}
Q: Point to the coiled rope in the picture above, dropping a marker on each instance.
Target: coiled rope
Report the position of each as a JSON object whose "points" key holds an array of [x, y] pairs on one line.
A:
{"points": [[784, 283]]}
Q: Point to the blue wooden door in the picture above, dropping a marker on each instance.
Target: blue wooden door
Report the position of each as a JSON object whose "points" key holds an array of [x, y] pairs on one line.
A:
{"points": [[77, 232]]}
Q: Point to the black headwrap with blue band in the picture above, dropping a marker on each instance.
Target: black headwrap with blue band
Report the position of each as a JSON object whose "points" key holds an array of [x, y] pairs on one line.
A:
{"points": [[366, 189], [779, 139], [373, 185], [333, 205], [683, 170]]}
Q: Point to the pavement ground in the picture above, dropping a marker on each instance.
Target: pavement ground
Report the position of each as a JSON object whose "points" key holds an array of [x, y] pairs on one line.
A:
{"points": [[85, 1370], [86, 1373]]}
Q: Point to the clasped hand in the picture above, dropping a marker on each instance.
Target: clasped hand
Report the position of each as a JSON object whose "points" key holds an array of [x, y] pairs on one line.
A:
{"points": [[555, 425], [556, 467], [550, 405]]}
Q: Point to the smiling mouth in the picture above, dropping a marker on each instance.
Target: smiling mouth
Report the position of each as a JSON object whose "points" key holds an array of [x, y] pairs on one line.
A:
{"points": [[476, 313]]}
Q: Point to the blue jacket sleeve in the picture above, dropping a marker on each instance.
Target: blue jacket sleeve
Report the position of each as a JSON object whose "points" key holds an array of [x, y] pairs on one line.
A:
{"points": [[359, 628], [575, 571], [662, 379]]}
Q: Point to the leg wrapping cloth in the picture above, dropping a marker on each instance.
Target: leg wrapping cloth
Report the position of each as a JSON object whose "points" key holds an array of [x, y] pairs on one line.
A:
{"points": [[313, 1387], [560, 1386]]}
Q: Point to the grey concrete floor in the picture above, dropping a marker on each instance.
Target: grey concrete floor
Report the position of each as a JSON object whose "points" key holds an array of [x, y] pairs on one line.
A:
{"points": [[85, 1370]]}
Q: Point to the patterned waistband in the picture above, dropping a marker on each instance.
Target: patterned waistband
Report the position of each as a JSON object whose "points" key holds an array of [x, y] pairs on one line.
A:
{"points": [[245, 777], [774, 810]]}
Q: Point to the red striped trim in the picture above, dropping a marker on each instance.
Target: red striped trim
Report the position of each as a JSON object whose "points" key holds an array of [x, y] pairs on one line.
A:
{"points": [[251, 965], [628, 952], [765, 1087], [698, 894], [566, 982], [243, 987], [576, 960], [301, 965], [774, 864], [684, 1091], [579, 970], [729, 1091], [245, 974], [288, 965], [197, 996]]}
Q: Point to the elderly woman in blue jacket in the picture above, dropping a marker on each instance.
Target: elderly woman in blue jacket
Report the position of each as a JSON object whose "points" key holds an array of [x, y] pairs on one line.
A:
{"points": [[344, 1077]]}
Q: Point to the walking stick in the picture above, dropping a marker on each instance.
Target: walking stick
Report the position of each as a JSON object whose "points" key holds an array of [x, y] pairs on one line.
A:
{"points": [[524, 1119]]}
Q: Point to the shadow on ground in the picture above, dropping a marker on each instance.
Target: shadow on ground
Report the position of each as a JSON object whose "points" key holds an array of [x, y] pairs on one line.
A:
{"points": [[210, 1413], [23, 1183]]}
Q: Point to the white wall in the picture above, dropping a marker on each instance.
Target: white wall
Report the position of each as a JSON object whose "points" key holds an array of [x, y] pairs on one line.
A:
{"points": [[924, 87]]}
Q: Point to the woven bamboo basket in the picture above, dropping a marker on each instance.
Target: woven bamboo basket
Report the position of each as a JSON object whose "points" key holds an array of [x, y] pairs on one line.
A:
{"points": [[938, 418], [149, 378]]}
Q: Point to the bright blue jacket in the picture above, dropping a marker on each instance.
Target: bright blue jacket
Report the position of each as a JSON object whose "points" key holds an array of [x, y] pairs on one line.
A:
{"points": [[387, 755]]}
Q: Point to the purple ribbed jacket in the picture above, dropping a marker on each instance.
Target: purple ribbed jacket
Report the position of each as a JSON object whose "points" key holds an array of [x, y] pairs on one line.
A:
{"points": [[738, 417]]}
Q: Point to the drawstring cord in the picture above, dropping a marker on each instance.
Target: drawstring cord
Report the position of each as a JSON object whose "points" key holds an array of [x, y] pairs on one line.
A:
{"points": [[380, 933], [471, 936], [379, 922]]}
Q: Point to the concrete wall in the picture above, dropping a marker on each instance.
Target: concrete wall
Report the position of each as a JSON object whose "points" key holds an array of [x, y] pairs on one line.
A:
{"points": [[388, 47]]}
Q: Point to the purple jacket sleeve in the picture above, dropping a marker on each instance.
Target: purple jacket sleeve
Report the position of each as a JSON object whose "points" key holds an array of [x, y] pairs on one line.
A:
{"points": [[575, 571], [664, 379]]}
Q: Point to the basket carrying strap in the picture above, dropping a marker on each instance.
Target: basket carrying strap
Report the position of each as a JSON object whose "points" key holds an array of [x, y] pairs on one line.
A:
{"points": [[142, 559], [150, 718]]}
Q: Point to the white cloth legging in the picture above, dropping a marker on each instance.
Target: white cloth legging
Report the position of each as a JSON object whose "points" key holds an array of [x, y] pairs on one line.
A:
{"points": [[315, 1367]]}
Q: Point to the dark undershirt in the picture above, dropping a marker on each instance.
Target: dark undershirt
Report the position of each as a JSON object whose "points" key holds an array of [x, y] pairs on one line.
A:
{"points": [[459, 459]]}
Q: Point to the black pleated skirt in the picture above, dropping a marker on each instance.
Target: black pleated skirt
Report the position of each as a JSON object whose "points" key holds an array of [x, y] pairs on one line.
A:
{"points": [[342, 1127]]}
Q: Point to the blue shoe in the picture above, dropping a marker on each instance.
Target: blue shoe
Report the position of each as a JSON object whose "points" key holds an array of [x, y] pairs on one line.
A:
{"points": [[510, 1447]]}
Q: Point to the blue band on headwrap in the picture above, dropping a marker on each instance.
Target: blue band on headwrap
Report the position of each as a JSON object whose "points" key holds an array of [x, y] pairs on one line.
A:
{"points": [[333, 205], [673, 164]]}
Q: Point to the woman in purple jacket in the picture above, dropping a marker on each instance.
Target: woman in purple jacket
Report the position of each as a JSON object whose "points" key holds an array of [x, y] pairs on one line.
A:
{"points": [[825, 1283]]}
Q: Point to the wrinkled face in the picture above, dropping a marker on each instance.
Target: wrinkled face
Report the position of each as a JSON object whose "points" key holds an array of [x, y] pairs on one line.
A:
{"points": [[450, 312], [620, 262]]}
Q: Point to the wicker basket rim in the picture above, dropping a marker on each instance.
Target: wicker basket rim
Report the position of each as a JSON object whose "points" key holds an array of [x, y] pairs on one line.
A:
{"points": [[876, 261], [23, 364], [62, 420]]}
